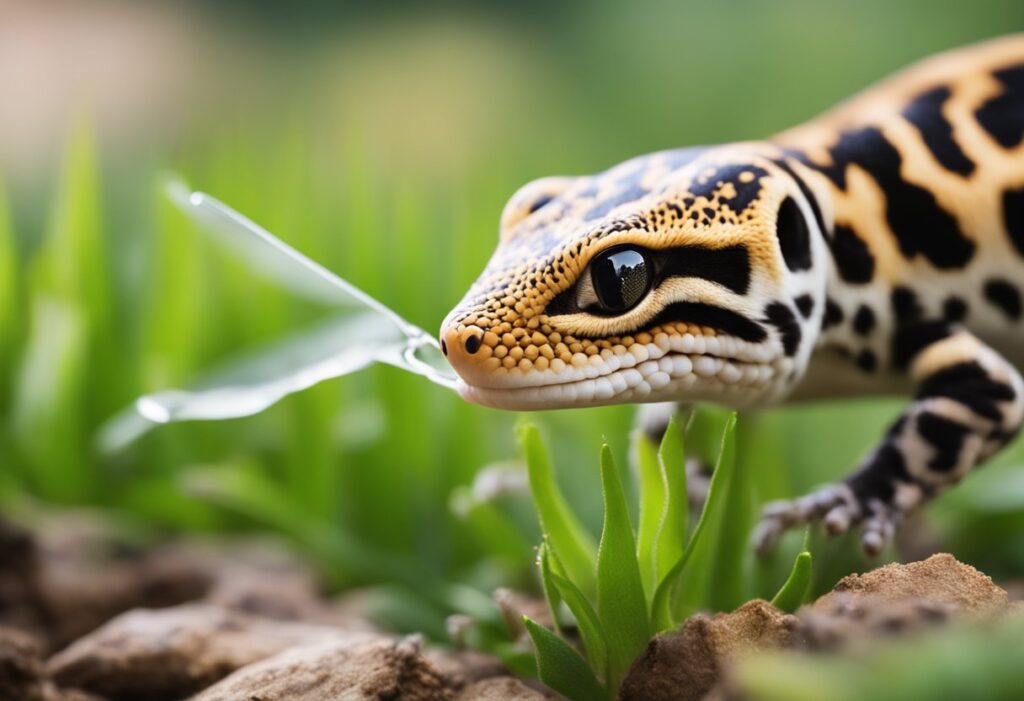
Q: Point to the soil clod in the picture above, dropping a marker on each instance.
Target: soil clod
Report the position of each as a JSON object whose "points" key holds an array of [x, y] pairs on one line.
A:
{"points": [[686, 664]]}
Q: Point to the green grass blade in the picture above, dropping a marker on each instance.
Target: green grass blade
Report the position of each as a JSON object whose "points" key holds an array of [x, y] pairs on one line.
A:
{"points": [[721, 480], [561, 667], [620, 593], [594, 641], [727, 540], [794, 591], [676, 520], [652, 510], [178, 304], [547, 581], [716, 578], [563, 530], [46, 414]]}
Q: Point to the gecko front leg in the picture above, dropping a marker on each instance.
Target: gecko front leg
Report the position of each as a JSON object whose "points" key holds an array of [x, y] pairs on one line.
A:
{"points": [[969, 404]]}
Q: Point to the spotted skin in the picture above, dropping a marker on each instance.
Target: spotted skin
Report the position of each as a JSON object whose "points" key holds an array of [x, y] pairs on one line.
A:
{"points": [[877, 249]]}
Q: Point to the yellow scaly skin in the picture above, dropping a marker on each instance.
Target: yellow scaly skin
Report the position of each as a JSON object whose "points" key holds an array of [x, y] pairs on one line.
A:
{"points": [[876, 249]]}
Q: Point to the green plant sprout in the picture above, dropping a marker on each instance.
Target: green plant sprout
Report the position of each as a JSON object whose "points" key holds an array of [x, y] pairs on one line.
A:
{"points": [[635, 584]]}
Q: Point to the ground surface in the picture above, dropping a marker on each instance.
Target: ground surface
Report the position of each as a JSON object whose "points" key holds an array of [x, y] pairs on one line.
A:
{"points": [[83, 618]]}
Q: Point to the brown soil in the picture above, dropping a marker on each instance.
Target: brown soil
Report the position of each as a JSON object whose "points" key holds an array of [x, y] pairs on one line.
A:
{"points": [[83, 618], [687, 664], [892, 600]]}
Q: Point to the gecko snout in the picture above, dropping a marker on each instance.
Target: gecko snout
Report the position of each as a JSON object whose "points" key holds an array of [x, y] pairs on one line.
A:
{"points": [[461, 346]]}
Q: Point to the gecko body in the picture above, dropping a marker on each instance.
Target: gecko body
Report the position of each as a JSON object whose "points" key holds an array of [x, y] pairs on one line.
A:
{"points": [[876, 249]]}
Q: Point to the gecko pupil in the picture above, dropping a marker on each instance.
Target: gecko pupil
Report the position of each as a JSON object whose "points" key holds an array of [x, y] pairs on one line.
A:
{"points": [[621, 278]]}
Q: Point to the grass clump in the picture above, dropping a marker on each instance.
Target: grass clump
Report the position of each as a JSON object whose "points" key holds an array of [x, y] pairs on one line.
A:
{"points": [[639, 582]]}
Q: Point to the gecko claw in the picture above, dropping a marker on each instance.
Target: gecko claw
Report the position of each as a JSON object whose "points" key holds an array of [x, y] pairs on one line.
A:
{"points": [[880, 527], [834, 504]]}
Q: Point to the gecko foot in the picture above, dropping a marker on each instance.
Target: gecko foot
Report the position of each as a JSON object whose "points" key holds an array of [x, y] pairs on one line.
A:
{"points": [[838, 508]]}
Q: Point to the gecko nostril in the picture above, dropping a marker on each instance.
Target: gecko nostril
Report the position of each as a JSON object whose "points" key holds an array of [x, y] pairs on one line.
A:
{"points": [[444, 348], [472, 344]]}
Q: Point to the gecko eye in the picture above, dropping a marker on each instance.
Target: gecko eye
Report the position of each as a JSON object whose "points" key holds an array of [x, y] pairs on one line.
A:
{"points": [[620, 278]]}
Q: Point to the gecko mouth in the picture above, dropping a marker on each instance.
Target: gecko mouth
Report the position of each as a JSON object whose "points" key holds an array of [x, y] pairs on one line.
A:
{"points": [[723, 369]]}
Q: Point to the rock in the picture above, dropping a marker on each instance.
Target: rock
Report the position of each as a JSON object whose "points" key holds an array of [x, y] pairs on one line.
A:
{"points": [[687, 664], [23, 674], [21, 666], [85, 573], [899, 598], [460, 668], [501, 689], [52, 693], [170, 653], [338, 671]]}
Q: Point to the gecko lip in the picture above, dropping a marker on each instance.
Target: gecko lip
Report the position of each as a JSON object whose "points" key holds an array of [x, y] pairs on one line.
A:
{"points": [[698, 376], [690, 348]]}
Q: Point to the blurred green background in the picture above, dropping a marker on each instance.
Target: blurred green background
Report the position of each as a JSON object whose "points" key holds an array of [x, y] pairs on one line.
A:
{"points": [[381, 139]]}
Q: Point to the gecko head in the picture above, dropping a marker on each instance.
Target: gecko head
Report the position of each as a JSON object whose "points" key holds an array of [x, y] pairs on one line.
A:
{"points": [[683, 275]]}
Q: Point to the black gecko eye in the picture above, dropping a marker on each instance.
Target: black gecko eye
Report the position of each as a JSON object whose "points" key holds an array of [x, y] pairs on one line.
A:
{"points": [[621, 278]]}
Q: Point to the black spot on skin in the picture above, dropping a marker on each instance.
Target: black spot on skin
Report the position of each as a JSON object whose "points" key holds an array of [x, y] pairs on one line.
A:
{"points": [[718, 318], [911, 339], [905, 306], [1003, 115], [864, 320], [946, 436], [867, 360], [540, 202], [804, 303], [782, 317], [794, 237], [729, 266], [629, 194], [1004, 295], [954, 310], [804, 190], [969, 384], [833, 314], [920, 225], [853, 260], [925, 113], [745, 192], [877, 480], [1013, 215]]}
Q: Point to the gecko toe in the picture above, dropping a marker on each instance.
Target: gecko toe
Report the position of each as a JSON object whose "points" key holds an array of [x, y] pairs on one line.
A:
{"points": [[839, 519]]}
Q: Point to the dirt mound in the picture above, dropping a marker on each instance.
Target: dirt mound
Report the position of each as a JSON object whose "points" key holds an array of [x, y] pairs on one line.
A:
{"points": [[894, 599], [686, 664]]}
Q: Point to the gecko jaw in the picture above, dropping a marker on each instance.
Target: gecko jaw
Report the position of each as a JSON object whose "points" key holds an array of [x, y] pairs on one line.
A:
{"points": [[626, 378]]}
